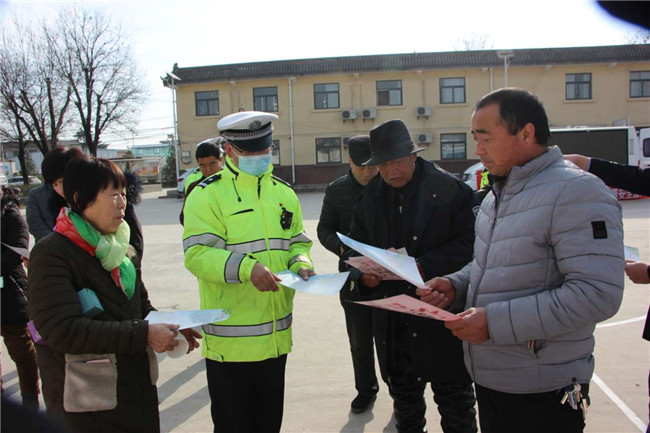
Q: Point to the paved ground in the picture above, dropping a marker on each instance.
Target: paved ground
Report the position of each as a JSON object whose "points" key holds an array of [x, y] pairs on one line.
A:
{"points": [[319, 372]]}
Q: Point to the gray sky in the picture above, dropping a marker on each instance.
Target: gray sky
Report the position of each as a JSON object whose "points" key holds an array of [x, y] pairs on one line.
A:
{"points": [[206, 32]]}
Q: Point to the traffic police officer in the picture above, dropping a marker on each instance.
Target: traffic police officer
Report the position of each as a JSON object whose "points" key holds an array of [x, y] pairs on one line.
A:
{"points": [[242, 226]]}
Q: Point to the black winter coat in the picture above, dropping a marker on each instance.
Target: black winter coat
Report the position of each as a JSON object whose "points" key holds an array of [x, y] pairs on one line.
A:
{"points": [[627, 177], [58, 269], [439, 233], [336, 215], [14, 233]]}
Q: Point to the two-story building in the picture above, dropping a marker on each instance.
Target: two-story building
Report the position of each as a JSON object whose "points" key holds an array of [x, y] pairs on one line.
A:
{"points": [[322, 102]]}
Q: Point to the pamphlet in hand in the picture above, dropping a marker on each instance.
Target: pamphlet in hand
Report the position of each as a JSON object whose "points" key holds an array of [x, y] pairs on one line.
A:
{"points": [[400, 264], [22, 252], [188, 318], [328, 284], [632, 253], [406, 304]]}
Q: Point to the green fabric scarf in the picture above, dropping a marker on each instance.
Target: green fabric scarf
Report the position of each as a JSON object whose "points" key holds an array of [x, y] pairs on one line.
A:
{"points": [[110, 250]]}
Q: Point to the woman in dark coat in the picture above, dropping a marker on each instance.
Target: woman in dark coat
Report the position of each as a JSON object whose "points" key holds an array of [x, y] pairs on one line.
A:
{"points": [[88, 302], [14, 301]]}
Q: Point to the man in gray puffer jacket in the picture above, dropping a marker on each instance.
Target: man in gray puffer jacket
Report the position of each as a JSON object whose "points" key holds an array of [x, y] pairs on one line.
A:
{"points": [[548, 265]]}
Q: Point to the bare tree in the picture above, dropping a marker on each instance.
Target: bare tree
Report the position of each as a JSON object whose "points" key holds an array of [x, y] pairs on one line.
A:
{"points": [[474, 42], [94, 55], [33, 101], [641, 36]]}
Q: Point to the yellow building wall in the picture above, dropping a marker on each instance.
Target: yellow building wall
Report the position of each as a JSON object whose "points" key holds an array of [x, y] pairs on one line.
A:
{"points": [[610, 101]]}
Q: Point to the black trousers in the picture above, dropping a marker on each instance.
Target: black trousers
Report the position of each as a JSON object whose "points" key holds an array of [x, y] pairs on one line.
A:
{"points": [[501, 412], [358, 322], [455, 400], [247, 397]]}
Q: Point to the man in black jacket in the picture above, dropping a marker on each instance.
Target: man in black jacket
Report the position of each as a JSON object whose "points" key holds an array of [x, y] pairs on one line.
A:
{"points": [[417, 206], [336, 214]]}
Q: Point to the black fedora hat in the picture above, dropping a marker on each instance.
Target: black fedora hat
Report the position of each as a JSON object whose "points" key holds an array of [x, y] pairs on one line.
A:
{"points": [[390, 140]]}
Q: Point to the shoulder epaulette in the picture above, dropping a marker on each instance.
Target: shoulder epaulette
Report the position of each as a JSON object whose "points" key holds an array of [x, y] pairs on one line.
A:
{"points": [[281, 180], [209, 180]]}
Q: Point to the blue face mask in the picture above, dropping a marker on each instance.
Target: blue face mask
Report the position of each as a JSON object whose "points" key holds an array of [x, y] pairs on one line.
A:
{"points": [[254, 165]]}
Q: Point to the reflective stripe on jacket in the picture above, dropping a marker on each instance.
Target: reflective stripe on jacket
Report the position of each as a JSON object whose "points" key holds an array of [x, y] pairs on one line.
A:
{"points": [[232, 221]]}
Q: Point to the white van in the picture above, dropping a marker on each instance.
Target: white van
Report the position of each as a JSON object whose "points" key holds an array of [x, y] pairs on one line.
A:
{"points": [[472, 176]]}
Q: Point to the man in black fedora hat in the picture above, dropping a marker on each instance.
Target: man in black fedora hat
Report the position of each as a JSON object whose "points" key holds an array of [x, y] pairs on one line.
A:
{"points": [[415, 205], [340, 197]]}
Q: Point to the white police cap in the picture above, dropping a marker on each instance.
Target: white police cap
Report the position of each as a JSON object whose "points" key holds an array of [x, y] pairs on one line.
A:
{"points": [[248, 130]]}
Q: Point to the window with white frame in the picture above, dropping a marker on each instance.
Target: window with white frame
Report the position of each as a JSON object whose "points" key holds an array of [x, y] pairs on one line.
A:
{"points": [[453, 146], [389, 92], [326, 96], [640, 84], [578, 86], [186, 157], [452, 90], [328, 150], [207, 103], [265, 98]]}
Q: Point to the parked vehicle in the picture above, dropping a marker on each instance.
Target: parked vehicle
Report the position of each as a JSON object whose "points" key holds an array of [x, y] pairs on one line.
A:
{"points": [[3, 180], [180, 188], [472, 176], [18, 180], [621, 144]]}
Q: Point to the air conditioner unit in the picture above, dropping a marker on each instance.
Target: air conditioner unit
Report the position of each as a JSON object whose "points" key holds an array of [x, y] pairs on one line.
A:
{"points": [[348, 114], [425, 138], [369, 113], [423, 110]]}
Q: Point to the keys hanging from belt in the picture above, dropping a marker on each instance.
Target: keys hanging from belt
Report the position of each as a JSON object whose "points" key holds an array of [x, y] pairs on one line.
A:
{"points": [[572, 395]]}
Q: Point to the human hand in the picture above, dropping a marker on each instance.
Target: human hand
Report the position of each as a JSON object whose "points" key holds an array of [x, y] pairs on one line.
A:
{"points": [[637, 271], [263, 279], [370, 281], [579, 160], [160, 336], [471, 327], [439, 292], [305, 273], [191, 335]]}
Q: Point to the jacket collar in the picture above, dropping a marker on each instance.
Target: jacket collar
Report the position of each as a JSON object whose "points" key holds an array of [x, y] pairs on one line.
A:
{"points": [[520, 175]]}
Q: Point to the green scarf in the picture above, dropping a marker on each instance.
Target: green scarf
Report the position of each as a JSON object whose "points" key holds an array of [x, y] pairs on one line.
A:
{"points": [[109, 249]]}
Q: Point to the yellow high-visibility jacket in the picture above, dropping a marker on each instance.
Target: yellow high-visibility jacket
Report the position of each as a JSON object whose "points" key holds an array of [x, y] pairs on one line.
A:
{"points": [[232, 221], [191, 178]]}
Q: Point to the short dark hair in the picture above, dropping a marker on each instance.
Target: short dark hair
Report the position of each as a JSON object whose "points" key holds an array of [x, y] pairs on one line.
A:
{"points": [[517, 108], [206, 149], [86, 177], [55, 161]]}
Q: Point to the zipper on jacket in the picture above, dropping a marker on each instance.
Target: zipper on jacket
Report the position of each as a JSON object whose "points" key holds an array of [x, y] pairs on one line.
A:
{"points": [[487, 253], [234, 185]]}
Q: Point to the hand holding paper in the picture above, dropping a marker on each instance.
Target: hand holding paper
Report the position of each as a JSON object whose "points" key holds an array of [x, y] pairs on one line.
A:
{"points": [[400, 264], [328, 284], [408, 305]]}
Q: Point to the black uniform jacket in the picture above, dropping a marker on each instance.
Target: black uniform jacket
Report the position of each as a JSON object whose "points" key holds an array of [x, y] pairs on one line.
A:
{"points": [[336, 214], [14, 232], [436, 225]]}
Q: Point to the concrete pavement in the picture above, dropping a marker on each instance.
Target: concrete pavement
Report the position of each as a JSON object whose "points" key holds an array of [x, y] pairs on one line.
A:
{"points": [[320, 385]]}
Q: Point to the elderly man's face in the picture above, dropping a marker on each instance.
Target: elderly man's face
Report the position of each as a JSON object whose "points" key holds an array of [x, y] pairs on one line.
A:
{"points": [[398, 172], [499, 151]]}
